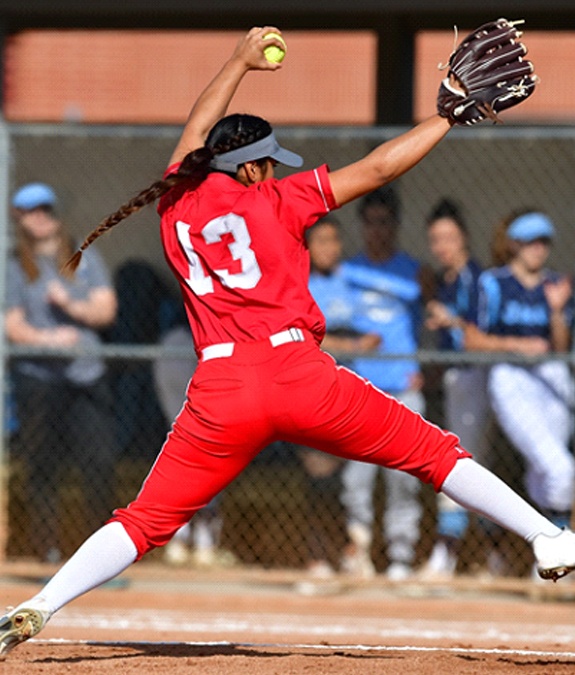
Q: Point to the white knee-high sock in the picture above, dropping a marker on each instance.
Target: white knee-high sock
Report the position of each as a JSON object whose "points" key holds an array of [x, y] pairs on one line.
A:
{"points": [[479, 490], [104, 555]]}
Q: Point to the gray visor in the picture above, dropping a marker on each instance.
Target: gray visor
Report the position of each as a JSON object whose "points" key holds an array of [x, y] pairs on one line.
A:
{"points": [[266, 147]]}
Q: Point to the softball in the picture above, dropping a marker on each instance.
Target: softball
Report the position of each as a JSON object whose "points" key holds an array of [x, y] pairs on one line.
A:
{"points": [[272, 53]]}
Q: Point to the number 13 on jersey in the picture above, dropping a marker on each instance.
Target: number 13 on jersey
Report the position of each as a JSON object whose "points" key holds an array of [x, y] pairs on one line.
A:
{"points": [[199, 280]]}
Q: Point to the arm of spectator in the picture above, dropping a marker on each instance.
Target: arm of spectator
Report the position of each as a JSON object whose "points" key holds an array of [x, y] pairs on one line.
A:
{"points": [[427, 282], [478, 341], [97, 310], [558, 295], [382, 282], [439, 316], [361, 344], [560, 332], [19, 331]]}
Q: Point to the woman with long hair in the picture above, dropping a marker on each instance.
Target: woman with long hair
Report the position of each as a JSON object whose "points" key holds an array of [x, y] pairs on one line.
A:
{"points": [[234, 237], [526, 308], [64, 405]]}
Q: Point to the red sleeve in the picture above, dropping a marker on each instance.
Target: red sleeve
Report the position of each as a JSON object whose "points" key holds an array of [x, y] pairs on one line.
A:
{"points": [[301, 199], [323, 177], [172, 169]]}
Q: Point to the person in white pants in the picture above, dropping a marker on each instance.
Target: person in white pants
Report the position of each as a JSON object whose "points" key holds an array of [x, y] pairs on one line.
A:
{"points": [[525, 308]]}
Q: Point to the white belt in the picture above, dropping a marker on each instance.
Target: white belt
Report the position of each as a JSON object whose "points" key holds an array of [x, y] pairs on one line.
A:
{"points": [[224, 350]]}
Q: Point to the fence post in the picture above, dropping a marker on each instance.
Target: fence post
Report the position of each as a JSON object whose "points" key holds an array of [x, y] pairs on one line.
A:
{"points": [[4, 239]]}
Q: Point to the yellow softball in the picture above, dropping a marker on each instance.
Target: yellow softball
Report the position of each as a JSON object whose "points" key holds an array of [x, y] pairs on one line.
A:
{"points": [[272, 53]]}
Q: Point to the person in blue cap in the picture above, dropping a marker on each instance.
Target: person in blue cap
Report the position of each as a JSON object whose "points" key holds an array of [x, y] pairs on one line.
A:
{"points": [[234, 237], [526, 308], [64, 405], [34, 196]]}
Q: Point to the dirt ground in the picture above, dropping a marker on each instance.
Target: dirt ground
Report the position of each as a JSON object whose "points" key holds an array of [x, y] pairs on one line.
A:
{"points": [[160, 620]]}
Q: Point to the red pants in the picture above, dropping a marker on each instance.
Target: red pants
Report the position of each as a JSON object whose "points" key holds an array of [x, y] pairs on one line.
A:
{"points": [[237, 406]]}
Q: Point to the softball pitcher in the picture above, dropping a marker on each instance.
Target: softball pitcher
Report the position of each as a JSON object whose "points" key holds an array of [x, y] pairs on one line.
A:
{"points": [[234, 237]]}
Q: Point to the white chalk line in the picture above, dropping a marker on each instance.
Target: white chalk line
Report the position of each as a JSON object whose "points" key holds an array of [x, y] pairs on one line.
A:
{"points": [[320, 627], [317, 647]]}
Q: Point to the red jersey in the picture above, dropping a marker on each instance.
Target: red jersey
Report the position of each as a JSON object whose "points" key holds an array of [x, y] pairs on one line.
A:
{"points": [[240, 257]]}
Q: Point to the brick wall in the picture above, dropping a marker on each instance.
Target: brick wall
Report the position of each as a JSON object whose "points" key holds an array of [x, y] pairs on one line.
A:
{"points": [[154, 77]]}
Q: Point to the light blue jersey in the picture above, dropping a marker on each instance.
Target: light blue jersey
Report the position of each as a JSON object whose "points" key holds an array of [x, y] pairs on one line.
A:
{"points": [[337, 302], [388, 304], [335, 298]]}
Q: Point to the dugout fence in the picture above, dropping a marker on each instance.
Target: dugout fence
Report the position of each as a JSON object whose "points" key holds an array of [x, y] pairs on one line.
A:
{"points": [[265, 515]]}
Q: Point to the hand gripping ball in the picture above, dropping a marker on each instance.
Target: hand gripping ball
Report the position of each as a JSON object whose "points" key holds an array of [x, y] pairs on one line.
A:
{"points": [[272, 53]]}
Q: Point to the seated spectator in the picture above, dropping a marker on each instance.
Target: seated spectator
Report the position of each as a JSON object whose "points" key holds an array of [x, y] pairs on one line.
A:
{"points": [[527, 309]]}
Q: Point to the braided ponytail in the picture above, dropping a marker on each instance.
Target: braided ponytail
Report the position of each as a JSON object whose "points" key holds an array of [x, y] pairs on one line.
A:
{"points": [[235, 131], [231, 132], [193, 170]]}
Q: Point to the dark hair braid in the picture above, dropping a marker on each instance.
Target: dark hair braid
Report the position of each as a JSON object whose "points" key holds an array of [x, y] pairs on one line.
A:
{"points": [[236, 131], [231, 132], [193, 170]]}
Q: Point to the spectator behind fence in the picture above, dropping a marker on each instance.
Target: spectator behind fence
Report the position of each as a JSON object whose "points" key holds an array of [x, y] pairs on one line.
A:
{"points": [[337, 301], [527, 309], [388, 283], [63, 404], [234, 238], [465, 401]]}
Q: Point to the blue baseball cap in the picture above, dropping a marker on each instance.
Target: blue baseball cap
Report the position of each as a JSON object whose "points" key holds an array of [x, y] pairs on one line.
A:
{"points": [[33, 195], [531, 226]]}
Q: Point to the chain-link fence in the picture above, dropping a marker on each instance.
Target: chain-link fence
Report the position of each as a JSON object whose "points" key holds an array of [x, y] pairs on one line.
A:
{"points": [[272, 514]]}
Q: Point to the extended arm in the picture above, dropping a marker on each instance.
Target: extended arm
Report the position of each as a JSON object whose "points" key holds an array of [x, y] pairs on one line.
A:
{"points": [[487, 74], [213, 102], [388, 161]]}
